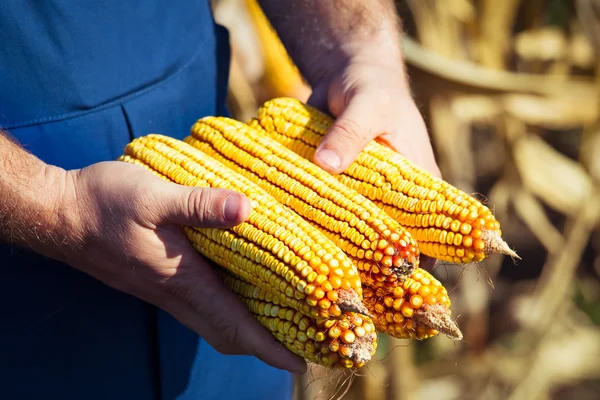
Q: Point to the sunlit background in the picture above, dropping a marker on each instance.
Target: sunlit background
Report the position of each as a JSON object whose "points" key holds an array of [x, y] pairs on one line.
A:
{"points": [[510, 91]]}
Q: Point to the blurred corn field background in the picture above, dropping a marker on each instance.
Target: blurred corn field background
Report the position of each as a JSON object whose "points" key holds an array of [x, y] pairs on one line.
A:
{"points": [[511, 94]]}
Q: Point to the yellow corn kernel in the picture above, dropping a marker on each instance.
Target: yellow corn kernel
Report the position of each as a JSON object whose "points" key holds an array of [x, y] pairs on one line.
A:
{"points": [[350, 220], [303, 333], [260, 247], [418, 315], [408, 193]]}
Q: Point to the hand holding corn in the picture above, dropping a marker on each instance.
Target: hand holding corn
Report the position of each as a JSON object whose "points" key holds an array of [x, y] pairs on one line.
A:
{"points": [[350, 53], [121, 225], [317, 262]]}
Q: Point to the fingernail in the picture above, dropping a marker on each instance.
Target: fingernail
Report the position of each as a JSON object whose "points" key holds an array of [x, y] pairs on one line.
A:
{"points": [[231, 207], [329, 158]]}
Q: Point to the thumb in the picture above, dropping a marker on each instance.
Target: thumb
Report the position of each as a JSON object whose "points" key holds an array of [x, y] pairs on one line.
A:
{"points": [[203, 207], [355, 127]]}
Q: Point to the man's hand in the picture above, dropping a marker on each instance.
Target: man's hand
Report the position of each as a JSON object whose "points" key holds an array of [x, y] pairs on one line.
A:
{"points": [[122, 225], [370, 101], [350, 53], [128, 223]]}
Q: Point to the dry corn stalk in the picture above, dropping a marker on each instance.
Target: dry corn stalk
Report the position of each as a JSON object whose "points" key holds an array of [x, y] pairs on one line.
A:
{"points": [[447, 223], [383, 251]]}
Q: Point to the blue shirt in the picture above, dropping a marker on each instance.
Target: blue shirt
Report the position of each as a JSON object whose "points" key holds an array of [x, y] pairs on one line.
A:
{"points": [[78, 81]]}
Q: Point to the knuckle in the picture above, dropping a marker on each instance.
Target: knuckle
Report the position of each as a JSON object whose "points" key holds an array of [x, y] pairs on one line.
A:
{"points": [[380, 97], [230, 331], [143, 195], [144, 202], [350, 131], [200, 205]]}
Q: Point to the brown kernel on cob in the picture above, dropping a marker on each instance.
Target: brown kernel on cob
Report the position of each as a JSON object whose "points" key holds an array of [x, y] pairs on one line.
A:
{"points": [[419, 309], [346, 342], [284, 241], [447, 223], [377, 244]]}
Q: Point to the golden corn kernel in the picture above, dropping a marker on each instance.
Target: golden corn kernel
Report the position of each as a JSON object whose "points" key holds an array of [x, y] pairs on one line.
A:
{"points": [[336, 209], [411, 195]]}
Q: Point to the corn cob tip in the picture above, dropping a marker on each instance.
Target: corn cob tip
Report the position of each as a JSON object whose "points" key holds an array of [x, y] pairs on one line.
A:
{"points": [[438, 317], [351, 302], [362, 350], [494, 244]]}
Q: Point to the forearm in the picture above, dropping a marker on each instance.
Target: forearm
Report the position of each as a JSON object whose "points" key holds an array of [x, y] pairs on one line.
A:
{"points": [[339, 30], [29, 189]]}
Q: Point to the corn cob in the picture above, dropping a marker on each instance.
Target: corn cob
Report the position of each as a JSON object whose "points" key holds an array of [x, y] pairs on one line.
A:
{"points": [[418, 309], [274, 249], [447, 223], [381, 249], [345, 342]]}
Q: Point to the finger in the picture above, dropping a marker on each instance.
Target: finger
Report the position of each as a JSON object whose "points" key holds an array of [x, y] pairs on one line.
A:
{"points": [[410, 137], [202, 207], [360, 122], [189, 317], [230, 321]]}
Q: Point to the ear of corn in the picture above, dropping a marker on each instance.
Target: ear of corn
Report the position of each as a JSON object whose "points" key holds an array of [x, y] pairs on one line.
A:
{"points": [[417, 309], [281, 76], [345, 342], [382, 250], [447, 223], [274, 249]]}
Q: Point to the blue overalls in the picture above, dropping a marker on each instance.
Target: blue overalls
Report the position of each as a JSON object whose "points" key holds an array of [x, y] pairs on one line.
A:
{"points": [[79, 80]]}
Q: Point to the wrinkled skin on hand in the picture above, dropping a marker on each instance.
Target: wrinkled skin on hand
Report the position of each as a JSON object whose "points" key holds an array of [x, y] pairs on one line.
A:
{"points": [[371, 101], [126, 229]]}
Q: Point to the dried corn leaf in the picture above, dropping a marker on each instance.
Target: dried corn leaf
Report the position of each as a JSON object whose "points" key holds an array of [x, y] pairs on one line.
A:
{"points": [[372, 384], [433, 72], [590, 151], [475, 109], [452, 141], [463, 10], [501, 195], [241, 98], [403, 377], [450, 29], [532, 213], [545, 44], [427, 29], [571, 354], [496, 22], [561, 183], [234, 16], [588, 13], [556, 112], [580, 51]]}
